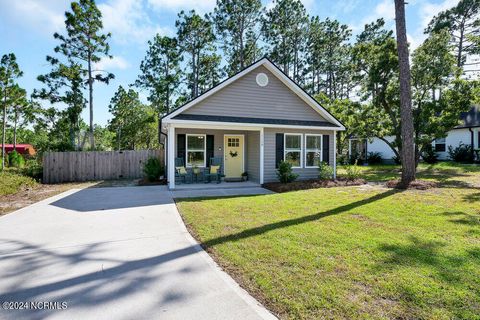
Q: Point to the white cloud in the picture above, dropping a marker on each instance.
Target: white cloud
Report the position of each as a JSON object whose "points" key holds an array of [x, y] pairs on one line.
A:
{"points": [[175, 5], [128, 21], [107, 64], [41, 16], [428, 10], [384, 9], [347, 6]]}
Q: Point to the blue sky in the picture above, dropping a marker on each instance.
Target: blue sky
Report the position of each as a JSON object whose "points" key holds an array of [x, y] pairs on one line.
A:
{"points": [[27, 27]]}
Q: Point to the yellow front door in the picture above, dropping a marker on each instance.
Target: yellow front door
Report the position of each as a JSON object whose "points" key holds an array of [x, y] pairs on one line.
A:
{"points": [[233, 156]]}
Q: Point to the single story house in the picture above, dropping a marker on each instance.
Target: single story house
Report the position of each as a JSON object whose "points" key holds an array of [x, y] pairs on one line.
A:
{"points": [[251, 121], [467, 133], [25, 149]]}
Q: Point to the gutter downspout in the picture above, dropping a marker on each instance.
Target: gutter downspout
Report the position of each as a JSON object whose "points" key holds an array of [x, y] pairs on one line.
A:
{"points": [[471, 142]]}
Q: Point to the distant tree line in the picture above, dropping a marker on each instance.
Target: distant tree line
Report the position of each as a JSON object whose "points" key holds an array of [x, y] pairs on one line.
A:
{"points": [[355, 78]]}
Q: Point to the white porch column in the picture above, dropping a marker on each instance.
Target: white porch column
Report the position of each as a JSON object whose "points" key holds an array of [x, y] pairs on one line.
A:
{"points": [[335, 154], [171, 156], [262, 147]]}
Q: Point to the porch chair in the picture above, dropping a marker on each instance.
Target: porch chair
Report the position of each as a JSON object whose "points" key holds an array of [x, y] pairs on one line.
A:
{"points": [[215, 170], [181, 173]]}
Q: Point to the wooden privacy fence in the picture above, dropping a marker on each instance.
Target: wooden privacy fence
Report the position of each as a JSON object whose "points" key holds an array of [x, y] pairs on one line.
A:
{"points": [[95, 165]]}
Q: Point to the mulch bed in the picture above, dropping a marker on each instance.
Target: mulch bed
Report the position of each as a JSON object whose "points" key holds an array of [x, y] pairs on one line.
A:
{"points": [[145, 182], [417, 184], [311, 184]]}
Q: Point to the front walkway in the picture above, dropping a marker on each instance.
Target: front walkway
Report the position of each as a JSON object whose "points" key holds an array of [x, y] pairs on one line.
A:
{"points": [[113, 253]]}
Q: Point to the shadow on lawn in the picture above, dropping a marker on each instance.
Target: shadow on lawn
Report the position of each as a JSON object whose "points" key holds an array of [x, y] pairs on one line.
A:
{"points": [[473, 197], [420, 253], [296, 221]]}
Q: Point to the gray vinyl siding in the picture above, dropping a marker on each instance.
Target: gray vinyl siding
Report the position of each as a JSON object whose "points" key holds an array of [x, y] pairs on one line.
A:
{"points": [[269, 154], [253, 156], [252, 148], [245, 98]]}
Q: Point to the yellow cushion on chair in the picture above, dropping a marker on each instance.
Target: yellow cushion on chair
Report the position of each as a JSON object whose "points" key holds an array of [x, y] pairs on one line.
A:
{"points": [[181, 170], [214, 169]]}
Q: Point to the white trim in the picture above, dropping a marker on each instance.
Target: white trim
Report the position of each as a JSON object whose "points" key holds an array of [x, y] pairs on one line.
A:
{"points": [[334, 155], [224, 150], [242, 126], [262, 154], [204, 148], [306, 149], [301, 147], [282, 77], [171, 156]]}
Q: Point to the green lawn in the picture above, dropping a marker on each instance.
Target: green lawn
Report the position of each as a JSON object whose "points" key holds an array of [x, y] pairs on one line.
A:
{"points": [[12, 181], [445, 173], [353, 252]]}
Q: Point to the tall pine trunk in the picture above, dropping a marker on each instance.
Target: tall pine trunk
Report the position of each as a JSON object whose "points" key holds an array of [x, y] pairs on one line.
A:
{"points": [[90, 101], [406, 116], [15, 129], [4, 129]]}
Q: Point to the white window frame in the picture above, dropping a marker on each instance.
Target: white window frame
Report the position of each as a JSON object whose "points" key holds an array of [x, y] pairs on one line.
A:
{"points": [[301, 147], [307, 150], [196, 150], [435, 144]]}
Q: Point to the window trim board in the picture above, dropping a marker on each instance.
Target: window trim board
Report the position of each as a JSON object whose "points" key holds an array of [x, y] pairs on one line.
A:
{"points": [[306, 149], [204, 149], [285, 134]]}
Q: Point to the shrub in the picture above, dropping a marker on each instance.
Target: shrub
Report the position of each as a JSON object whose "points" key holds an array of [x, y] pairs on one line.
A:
{"points": [[353, 171], [153, 169], [463, 153], [325, 172], [342, 159], [16, 160], [374, 158], [429, 155], [33, 169], [355, 157], [285, 173]]}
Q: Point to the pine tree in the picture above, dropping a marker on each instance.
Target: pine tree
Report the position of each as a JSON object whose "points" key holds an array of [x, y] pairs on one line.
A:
{"points": [[284, 29], [406, 114], [237, 23], [65, 84], [160, 74], [195, 38], [85, 44], [9, 73], [463, 23]]}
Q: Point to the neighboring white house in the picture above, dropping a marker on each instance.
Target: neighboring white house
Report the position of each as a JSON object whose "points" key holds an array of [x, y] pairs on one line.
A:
{"points": [[467, 132]]}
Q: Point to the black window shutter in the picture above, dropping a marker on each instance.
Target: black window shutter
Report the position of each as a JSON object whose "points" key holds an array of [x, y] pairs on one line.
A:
{"points": [[326, 148], [181, 147], [210, 148], [278, 149]]}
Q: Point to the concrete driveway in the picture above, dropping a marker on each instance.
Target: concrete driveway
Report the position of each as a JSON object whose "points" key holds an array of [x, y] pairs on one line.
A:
{"points": [[112, 253]]}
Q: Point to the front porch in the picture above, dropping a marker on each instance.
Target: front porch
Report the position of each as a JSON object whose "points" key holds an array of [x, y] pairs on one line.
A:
{"points": [[195, 154]]}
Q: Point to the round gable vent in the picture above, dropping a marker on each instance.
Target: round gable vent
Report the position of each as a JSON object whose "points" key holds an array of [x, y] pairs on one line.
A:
{"points": [[262, 79]]}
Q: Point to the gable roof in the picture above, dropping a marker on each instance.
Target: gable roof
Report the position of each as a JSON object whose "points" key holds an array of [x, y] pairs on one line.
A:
{"points": [[302, 94], [470, 118]]}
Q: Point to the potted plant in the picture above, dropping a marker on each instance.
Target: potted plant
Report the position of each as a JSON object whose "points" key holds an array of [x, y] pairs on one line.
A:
{"points": [[196, 169], [245, 176]]}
